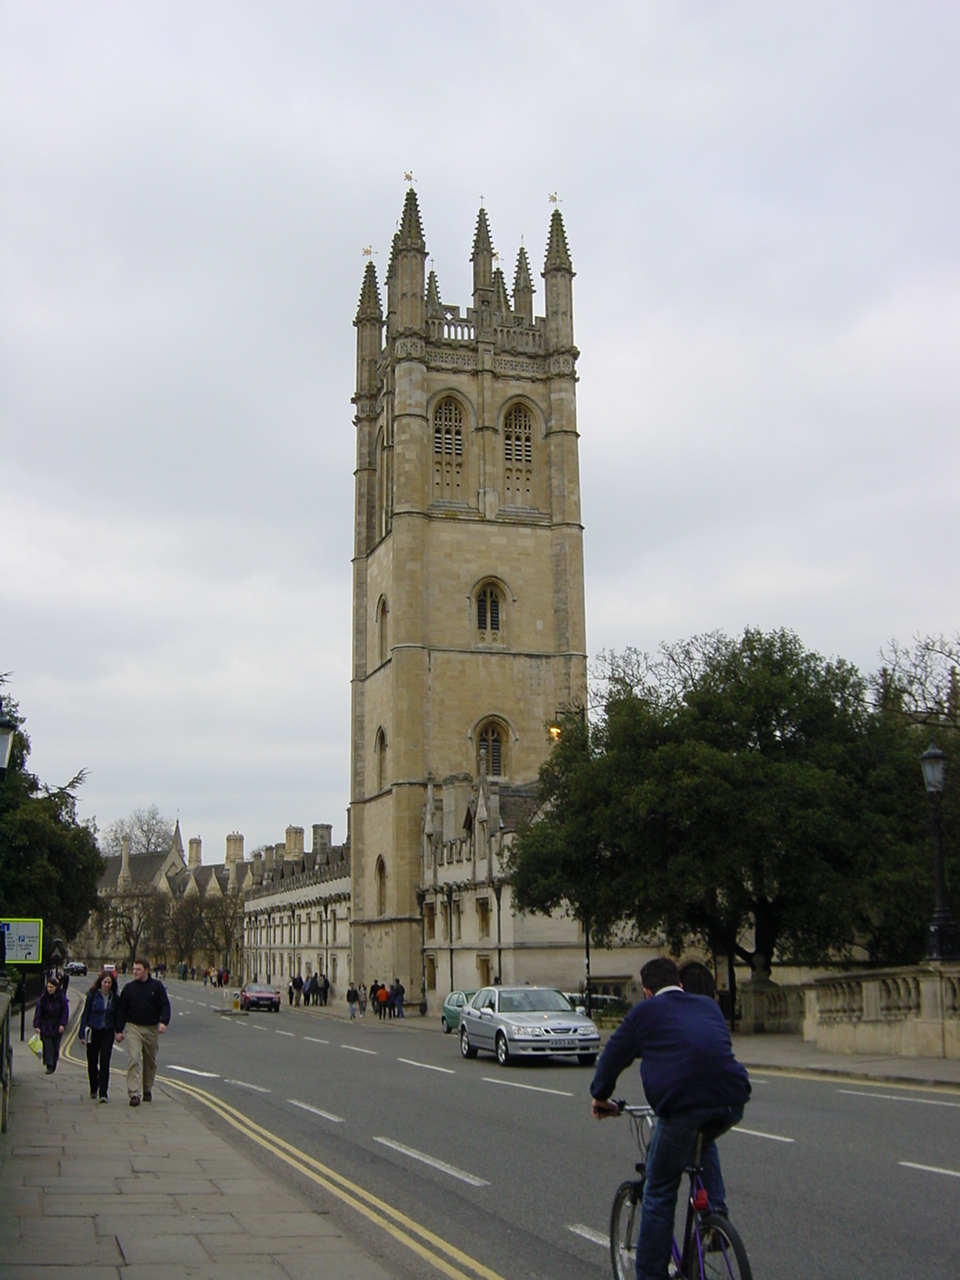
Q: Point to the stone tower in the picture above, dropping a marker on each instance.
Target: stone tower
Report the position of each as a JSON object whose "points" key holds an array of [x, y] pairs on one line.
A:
{"points": [[468, 601]]}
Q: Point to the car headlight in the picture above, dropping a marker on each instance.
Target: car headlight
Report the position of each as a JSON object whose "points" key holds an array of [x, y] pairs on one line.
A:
{"points": [[588, 1030]]}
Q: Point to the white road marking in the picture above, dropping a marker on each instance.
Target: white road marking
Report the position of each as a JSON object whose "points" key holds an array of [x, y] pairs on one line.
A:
{"points": [[595, 1237], [893, 1097], [931, 1168], [354, 1048], [426, 1066], [454, 1172], [257, 1027], [242, 1084], [534, 1088], [316, 1111], [284, 1033], [314, 1040], [189, 1071], [755, 1133]]}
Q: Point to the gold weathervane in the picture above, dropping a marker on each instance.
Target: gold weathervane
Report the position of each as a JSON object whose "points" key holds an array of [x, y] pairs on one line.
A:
{"points": [[408, 175], [554, 198]]}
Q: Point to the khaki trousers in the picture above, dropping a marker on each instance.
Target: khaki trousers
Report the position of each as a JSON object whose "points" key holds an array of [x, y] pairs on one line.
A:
{"points": [[141, 1042]]}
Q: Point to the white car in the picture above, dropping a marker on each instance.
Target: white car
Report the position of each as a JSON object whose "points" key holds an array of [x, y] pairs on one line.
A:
{"points": [[519, 1022]]}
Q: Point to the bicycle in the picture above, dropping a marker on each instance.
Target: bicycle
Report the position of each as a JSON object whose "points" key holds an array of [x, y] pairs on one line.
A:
{"points": [[711, 1249]]}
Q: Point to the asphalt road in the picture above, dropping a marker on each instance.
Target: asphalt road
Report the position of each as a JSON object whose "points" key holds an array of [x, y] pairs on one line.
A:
{"points": [[825, 1180]]}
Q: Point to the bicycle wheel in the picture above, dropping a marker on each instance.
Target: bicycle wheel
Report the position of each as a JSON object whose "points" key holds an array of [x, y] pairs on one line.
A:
{"points": [[724, 1257], [625, 1229]]}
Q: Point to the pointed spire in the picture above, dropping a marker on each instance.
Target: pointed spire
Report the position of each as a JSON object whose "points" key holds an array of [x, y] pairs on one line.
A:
{"points": [[501, 298], [434, 306], [482, 244], [394, 250], [522, 282], [411, 232], [369, 308], [558, 255]]}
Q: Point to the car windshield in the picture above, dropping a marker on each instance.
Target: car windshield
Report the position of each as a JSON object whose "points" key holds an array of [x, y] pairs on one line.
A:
{"points": [[534, 1001]]}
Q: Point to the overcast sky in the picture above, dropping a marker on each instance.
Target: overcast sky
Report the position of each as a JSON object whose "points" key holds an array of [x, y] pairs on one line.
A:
{"points": [[761, 203]]}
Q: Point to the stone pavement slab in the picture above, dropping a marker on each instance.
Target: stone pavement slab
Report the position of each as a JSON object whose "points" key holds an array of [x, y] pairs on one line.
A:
{"points": [[793, 1053], [91, 1192]]}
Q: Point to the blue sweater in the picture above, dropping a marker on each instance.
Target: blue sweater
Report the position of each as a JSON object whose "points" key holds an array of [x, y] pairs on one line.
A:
{"points": [[686, 1058]]}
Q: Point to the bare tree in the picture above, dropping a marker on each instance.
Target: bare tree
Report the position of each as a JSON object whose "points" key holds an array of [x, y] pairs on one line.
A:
{"points": [[133, 920], [924, 678], [149, 832]]}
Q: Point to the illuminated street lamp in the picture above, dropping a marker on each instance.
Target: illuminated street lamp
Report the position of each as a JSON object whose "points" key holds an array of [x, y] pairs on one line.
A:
{"points": [[7, 729], [944, 941]]}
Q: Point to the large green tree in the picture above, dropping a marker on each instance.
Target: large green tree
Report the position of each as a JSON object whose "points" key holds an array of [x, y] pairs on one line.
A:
{"points": [[49, 860], [737, 789]]}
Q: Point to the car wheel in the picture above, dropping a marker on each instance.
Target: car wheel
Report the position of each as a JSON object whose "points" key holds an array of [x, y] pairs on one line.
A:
{"points": [[466, 1048], [276, 1008], [503, 1053], [586, 1059], [446, 1026]]}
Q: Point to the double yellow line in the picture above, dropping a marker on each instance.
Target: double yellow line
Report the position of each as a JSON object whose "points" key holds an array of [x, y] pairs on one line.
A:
{"points": [[447, 1258], [424, 1243]]}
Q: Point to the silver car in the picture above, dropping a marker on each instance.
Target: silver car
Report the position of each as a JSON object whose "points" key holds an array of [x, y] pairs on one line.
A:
{"points": [[515, 1022]]}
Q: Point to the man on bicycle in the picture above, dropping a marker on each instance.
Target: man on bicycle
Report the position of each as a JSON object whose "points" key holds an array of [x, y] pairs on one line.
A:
{"points": [[692, 1081]]}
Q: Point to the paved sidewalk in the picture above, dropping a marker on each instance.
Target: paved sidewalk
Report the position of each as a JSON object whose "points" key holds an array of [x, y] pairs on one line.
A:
{"points": [[793, 1053], [90, 1191]]}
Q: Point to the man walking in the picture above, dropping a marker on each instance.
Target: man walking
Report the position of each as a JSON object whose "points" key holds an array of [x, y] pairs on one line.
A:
{"points": [[143, 1014]]}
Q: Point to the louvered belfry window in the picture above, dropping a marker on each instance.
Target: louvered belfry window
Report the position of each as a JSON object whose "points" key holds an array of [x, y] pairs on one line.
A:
{"points": [[488, 614], [518, 457], [490, 750], [448, 450]]}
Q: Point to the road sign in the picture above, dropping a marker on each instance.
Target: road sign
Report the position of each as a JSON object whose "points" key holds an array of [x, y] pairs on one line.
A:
{"points": [[24, 941], [58, 953]]}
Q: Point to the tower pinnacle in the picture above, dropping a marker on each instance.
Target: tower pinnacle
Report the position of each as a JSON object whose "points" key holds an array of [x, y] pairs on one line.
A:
{"points": [[411, 232], [369, 308], [558, 255]]}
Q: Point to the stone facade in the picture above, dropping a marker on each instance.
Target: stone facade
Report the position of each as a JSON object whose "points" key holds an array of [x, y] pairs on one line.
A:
{"points": [[469, 633]]}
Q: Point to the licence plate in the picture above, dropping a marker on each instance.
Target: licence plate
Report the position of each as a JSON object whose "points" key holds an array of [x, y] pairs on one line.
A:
{"points": [[564, 1044]]}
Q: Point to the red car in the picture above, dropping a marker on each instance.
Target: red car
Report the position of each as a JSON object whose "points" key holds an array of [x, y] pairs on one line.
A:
{"points": [[257, 995]]}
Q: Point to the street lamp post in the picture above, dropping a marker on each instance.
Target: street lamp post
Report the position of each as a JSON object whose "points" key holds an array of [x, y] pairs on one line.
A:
{"points": [[421, 900], [944, 941], [7, 730]]}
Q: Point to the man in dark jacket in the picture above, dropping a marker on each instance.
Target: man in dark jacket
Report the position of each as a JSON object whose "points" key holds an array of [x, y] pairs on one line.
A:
{"points": [[143, 1014], [692, 1081]]}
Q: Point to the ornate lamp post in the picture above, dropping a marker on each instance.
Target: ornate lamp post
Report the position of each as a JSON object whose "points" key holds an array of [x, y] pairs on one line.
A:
{"points": [[7, 730], [944, 943]]}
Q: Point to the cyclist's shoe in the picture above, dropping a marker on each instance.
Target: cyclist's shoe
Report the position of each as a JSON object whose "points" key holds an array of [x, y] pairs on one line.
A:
{"points": [[711, 1241]]}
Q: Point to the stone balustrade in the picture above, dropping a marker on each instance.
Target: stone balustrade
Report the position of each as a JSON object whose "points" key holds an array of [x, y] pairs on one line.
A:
{"points": [[772, 1009], [908, 1012]]}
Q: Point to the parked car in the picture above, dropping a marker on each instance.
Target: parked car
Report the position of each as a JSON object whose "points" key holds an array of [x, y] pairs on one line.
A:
{"points": [[75, 967], [526, 1022], [450, 1013], [258, 995]]}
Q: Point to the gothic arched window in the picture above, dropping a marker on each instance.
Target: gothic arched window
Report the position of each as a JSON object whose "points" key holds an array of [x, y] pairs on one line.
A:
{"points": [[381, 753], [384, 483], [518, 457], [382, 645], [489, 614], [490, 750], [381, 874], [448, 449]]}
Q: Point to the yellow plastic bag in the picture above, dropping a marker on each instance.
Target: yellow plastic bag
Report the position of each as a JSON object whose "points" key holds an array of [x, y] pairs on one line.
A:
{"points": [[35, 1044]]}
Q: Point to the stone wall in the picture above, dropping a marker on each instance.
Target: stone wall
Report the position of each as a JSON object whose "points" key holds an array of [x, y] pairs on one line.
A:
{"points": [[906, 1012]]}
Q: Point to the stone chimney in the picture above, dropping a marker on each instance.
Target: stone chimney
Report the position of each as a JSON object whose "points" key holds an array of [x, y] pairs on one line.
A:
{"points": [[234, 847], [125, 879], [293, 844], [194, 846], [322, 837], [258, 867], [268, 860]]}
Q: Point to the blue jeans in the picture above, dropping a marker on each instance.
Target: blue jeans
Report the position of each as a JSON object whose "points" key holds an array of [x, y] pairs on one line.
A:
{"points": [[672, 1150]]}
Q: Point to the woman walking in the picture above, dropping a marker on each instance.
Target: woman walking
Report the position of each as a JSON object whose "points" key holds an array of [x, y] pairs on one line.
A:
{"points": [[50, 1018], [97, 1028], [362, 998]]}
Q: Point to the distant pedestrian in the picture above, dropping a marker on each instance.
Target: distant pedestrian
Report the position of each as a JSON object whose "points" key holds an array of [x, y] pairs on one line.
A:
{"points": [[324, 989], [290, 992], [297, 990], [97, 1030], [383, 995], [143, 1014], [50, 1018], [352, 1000], [362, 999], [399, 991]]}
